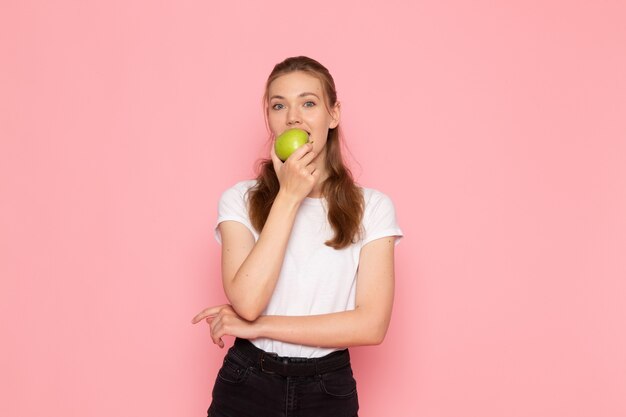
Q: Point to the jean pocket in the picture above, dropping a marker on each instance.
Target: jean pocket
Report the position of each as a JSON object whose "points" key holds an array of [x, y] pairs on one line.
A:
{"points": [[233, 370], [339, 383]]}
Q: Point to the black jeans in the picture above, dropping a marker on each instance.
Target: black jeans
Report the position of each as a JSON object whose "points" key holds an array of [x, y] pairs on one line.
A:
{"points": [[254, 383]]}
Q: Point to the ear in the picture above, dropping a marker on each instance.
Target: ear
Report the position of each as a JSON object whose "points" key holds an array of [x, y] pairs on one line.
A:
{"points": [[336, 115]]}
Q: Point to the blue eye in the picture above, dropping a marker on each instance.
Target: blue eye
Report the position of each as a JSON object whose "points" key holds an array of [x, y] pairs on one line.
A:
{"points": [[309, 104], [278, 106]]}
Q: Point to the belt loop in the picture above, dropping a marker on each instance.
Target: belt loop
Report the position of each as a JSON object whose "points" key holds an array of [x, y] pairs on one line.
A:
{"points": [[261, 359]]}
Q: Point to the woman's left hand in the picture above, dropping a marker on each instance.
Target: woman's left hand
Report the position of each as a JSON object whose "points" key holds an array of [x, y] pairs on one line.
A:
{"points": [[223, 320]]}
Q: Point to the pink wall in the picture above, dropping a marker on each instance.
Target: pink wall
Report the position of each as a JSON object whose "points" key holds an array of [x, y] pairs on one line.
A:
{"points": [[498, 128]]}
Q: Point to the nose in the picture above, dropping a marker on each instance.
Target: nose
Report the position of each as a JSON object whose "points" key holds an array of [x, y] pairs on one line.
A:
{"points": [[293, 117]]}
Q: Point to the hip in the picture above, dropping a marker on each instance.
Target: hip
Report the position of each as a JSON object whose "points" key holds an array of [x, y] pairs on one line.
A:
{"points": [[252, 382]]}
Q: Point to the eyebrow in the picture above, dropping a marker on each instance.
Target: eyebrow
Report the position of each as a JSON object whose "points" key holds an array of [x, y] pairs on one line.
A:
{"points": [[299, 95]]}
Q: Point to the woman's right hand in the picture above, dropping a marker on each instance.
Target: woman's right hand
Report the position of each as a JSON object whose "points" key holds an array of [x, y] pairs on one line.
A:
{"points": [[298, 175]]}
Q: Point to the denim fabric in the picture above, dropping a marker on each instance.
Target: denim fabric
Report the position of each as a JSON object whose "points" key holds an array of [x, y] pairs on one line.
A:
{"points": [[242, 389]]}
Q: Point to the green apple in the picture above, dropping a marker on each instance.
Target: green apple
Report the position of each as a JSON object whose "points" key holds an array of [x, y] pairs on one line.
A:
{"points": [[288, 141]]}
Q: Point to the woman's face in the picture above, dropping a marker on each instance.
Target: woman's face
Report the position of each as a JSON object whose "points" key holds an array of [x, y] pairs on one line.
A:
{"points": [[297, 100]]}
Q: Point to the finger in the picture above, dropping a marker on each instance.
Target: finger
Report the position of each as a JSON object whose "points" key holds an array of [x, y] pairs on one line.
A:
{"points": [[308, 157], [228, 309], [211, 311], [301, 151], [217, 331], [311, 169]]}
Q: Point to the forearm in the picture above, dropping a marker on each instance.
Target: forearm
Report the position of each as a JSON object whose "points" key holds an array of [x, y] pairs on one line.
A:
{"points": [[344, 329], [252, 285]]}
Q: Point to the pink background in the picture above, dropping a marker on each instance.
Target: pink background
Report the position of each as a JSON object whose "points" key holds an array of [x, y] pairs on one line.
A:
{"points": [[498, 128]]}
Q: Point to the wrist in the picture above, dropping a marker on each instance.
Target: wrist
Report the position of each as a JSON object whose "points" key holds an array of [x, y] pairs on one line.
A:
{"points": [[260, 327], [288, 200]]}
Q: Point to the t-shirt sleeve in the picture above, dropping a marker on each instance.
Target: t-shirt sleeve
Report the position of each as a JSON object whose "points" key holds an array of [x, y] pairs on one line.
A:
{"points": [[232, 206], [381, 220]]}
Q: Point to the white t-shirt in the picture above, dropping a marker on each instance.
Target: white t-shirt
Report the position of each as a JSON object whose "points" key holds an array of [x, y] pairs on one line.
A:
{"points": [[314, 278]]}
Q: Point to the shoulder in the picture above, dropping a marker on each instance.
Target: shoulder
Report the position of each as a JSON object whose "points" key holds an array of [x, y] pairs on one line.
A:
{"points": [[234, 200], [238, 191], [373, 199], [379, 216], [233, 206]]}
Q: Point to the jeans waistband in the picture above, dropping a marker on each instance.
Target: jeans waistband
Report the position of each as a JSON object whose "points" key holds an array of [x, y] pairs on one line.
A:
{"points": [[271, 363]]}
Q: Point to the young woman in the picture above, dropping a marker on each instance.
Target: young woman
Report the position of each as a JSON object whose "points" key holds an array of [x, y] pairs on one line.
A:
{"points": [[307, 264]]}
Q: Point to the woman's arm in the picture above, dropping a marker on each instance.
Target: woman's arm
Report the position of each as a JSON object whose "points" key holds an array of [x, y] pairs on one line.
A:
{"points": [[365, 325], [250, 270]]}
